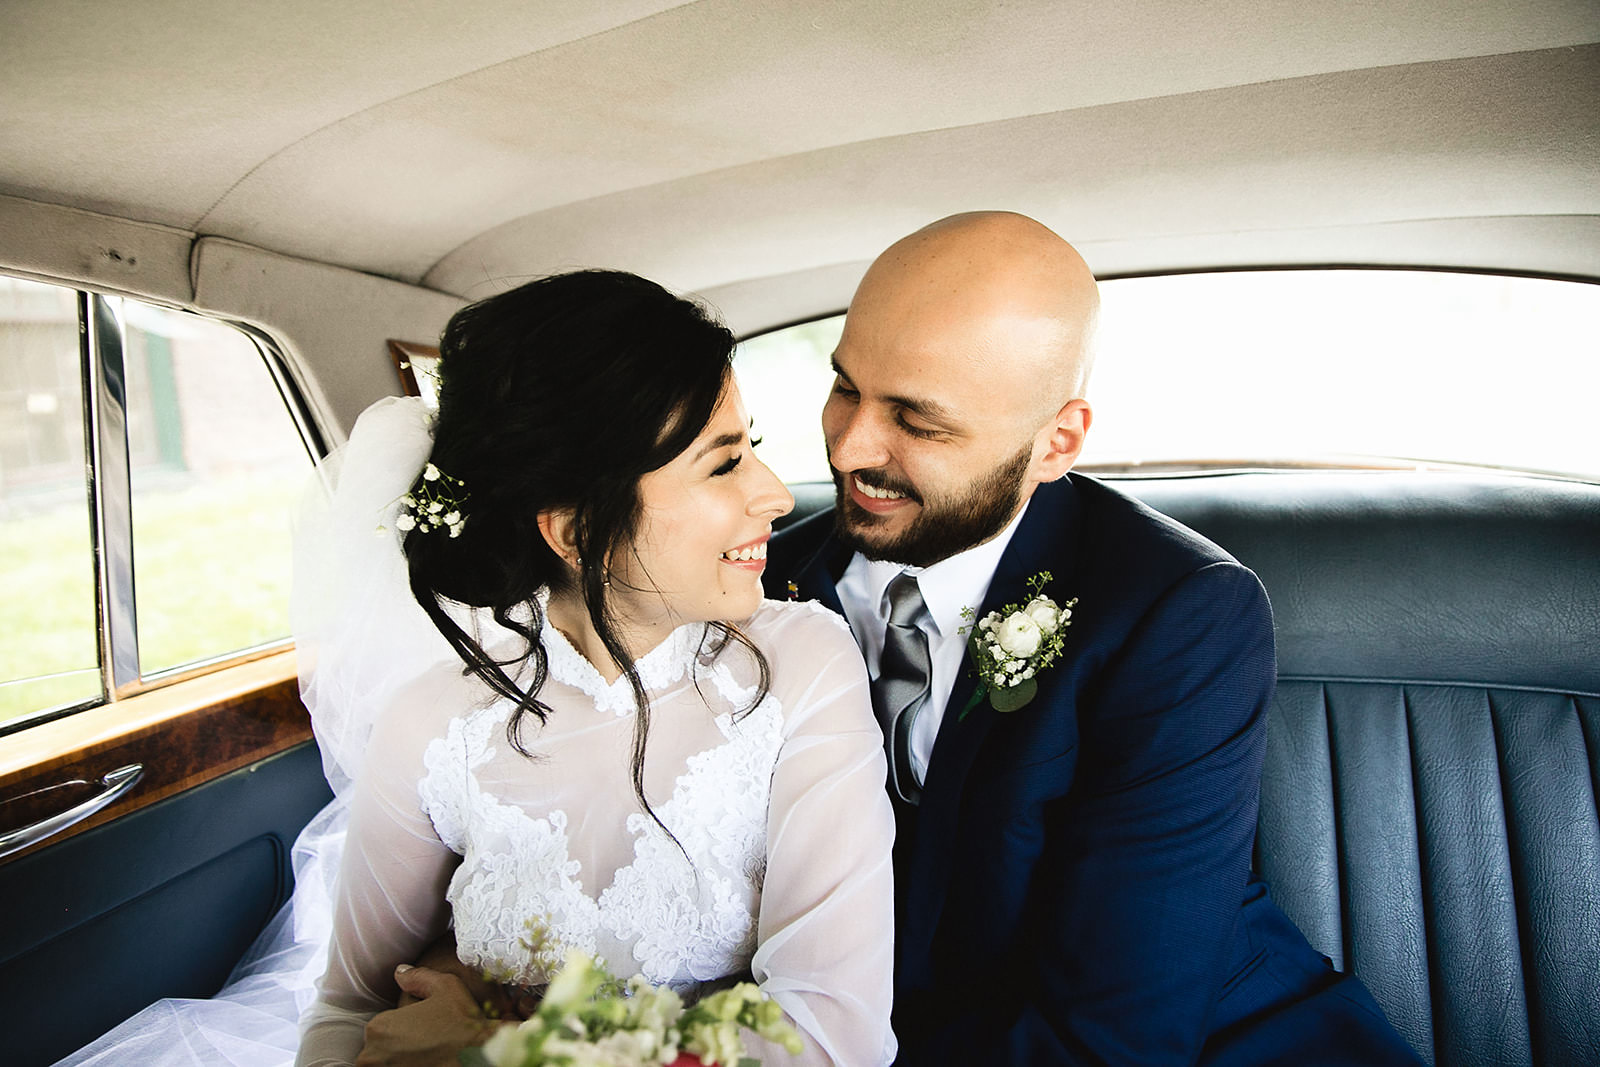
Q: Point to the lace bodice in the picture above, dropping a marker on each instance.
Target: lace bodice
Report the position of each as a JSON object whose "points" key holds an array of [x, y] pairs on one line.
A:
{"points": [[780, 865], [677, 917]]}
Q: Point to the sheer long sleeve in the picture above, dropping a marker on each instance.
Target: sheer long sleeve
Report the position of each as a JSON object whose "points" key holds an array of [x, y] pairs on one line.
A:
{"points": [[390, 902], [826, 922]]}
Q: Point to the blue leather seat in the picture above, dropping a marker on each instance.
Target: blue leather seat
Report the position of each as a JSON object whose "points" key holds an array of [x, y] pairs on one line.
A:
{"points": [[1428, 812]]}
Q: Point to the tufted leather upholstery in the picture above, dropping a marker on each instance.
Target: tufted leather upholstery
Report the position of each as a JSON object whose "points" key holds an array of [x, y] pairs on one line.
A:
{"points": [[1428, 812]]}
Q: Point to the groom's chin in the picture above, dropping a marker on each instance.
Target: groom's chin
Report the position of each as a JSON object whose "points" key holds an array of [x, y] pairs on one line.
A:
{"points": [[862, 531]]}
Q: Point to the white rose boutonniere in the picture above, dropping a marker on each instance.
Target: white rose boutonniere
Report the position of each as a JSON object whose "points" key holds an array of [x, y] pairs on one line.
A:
{"points": [[1010, 646]]}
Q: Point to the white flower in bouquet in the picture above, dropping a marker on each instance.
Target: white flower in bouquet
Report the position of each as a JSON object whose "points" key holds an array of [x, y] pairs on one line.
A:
{"points": [[589, 1019]]}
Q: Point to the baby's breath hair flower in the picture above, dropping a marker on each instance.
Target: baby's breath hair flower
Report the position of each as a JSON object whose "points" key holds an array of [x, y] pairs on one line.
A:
{"points": [[1010, 646], [437, 503]]}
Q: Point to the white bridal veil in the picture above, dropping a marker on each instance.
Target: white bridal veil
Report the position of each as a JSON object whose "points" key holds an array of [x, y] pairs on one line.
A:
{"points": [[360, 635]]}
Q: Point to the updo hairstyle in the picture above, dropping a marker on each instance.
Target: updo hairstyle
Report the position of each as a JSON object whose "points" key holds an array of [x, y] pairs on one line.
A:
{"points": [[561, 393]]}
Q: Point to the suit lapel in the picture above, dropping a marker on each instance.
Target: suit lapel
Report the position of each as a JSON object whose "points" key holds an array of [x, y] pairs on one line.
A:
{"points": [[1045, 540]]}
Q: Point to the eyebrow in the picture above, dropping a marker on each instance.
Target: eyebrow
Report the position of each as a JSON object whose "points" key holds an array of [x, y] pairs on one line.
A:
{"points": [[722, 441], [927, 409]]}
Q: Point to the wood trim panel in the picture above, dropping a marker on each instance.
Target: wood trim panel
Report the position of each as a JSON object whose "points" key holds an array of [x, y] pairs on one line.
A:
{"points": [[184, 734], [410, 357]]}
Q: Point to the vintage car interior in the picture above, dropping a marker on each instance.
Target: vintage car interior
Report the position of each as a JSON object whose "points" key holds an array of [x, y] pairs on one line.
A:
{"points": [[225, 229]]}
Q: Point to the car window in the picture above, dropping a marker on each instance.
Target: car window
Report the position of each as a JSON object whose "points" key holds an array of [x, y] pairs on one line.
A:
{"points": [[48, 649], [173, 550], [1355, 368], [216, 463]]}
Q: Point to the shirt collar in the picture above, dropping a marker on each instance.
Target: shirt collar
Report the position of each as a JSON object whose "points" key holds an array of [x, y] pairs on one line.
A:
{"points": [[959, 581]]}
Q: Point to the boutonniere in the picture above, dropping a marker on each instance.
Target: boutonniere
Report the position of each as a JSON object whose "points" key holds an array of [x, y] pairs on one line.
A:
{"points": [[1010, 646]]}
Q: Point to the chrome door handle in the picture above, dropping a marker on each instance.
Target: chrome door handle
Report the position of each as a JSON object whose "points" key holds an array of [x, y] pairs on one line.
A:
{"points": [[116, 783]]}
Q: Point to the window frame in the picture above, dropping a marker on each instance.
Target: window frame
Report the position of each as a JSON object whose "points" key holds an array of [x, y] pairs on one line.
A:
{"points": [[1210, 468], [108, 489]]}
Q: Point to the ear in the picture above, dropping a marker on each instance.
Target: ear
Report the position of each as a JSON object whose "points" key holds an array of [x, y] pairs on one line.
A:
{"points": [[556, 527], [1058, 445]]}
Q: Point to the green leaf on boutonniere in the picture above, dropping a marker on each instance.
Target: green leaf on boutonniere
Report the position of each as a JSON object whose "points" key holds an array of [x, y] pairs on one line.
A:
{"points": [[973, 701], [1013, 697]]}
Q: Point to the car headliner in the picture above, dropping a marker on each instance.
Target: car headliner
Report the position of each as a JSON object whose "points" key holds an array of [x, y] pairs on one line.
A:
{"points": [[761, 151]]}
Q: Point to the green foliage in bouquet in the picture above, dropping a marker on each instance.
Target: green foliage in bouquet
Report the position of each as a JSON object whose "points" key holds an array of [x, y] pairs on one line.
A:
{"points": [[589, 1019]]}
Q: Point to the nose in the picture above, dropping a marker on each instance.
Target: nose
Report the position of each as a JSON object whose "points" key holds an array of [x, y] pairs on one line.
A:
{"points": [[769, 497], [853, 442]]}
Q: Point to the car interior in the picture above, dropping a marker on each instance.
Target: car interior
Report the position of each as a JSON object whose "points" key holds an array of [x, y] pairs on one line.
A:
{"points": [[226, 229]]}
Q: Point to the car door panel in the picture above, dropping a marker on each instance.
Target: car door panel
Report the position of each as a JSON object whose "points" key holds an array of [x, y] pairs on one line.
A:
{"points": [[158, 903]]}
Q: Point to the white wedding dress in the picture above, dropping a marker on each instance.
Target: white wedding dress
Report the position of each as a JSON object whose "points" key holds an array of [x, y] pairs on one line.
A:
{"points": [[784, 869], [781, 867]]}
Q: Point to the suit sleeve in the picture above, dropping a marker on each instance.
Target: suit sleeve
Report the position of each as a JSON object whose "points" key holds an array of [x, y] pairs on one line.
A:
{"points": [[1142, 866]]}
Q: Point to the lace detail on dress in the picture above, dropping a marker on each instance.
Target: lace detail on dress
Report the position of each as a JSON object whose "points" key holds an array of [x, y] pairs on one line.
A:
{"points": [[495, 895], [447, 786], [514, 868], [678, 923], [660, 667], [699, 923]]}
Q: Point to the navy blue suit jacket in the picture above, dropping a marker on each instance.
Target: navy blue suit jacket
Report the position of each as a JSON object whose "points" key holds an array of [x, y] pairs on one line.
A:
{"points": [[1075, 886]]}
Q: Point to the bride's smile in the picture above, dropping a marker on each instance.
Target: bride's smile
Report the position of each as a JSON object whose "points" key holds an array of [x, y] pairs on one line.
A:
{"points": [[752, 556]]}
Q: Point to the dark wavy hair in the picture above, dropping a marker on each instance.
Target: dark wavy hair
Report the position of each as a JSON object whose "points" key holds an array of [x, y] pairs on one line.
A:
{"points": [[562, 393]]}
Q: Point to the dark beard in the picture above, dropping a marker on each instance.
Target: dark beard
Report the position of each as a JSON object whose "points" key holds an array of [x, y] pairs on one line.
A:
{"points": [[945, 527]]}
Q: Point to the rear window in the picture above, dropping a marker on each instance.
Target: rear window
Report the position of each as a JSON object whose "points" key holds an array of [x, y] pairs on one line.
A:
{"points": [[1341, 368]]}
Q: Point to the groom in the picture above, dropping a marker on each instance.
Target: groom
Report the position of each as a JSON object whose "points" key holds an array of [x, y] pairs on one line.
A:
{"points": [[1073, 877]]}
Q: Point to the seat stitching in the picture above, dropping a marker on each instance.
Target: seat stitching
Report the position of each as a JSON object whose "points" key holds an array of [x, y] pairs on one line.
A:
{"points": [[1515, 862], [1430, 972], [1339, 880]]}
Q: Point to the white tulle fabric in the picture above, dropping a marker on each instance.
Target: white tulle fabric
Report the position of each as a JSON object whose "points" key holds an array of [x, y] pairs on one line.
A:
{"points": [[359, 637], [780, 810], [359, 633]]}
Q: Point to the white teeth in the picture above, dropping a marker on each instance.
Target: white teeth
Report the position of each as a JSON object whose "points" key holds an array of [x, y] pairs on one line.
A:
{"points": [[877, 494], [747, 553]]}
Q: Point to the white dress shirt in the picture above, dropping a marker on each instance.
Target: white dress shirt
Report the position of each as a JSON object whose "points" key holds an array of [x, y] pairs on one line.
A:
{"points": [[961, 581]]}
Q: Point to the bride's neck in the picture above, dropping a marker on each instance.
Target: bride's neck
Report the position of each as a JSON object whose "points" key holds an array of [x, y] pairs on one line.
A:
{"points": [[568, 613]]}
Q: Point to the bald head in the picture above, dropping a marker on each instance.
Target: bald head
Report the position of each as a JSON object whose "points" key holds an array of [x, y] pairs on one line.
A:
{"points": [[1020, 299], [960, 385]]}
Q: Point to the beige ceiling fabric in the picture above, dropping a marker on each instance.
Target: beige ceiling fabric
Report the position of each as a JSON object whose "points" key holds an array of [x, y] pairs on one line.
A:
{"points": [[155, 109], [1365, 147], [738, 146]]}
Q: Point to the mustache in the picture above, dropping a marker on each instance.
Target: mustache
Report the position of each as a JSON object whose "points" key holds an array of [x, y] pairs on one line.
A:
{"points": [[878, 479]]}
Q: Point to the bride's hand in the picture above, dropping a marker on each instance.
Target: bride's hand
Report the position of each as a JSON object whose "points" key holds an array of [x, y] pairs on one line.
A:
{"points": [[439, 1020]]}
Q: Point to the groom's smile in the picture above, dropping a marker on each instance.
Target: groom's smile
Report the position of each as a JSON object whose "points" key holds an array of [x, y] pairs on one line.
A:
{"points": [[877, 493]]}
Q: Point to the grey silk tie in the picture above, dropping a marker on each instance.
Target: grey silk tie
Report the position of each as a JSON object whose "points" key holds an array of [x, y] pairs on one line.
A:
{"points": [[902, 682]]}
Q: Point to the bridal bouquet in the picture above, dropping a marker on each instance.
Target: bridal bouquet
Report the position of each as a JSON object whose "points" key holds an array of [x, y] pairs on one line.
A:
{"points": [[589, 1019]]}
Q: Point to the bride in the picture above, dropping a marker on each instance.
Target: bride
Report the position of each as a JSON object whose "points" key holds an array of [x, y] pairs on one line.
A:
{"points": [[633, 754], [560, 714]]}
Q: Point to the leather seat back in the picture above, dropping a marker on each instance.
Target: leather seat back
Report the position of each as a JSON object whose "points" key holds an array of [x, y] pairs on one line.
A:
{"points": [[1428, 812]]}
